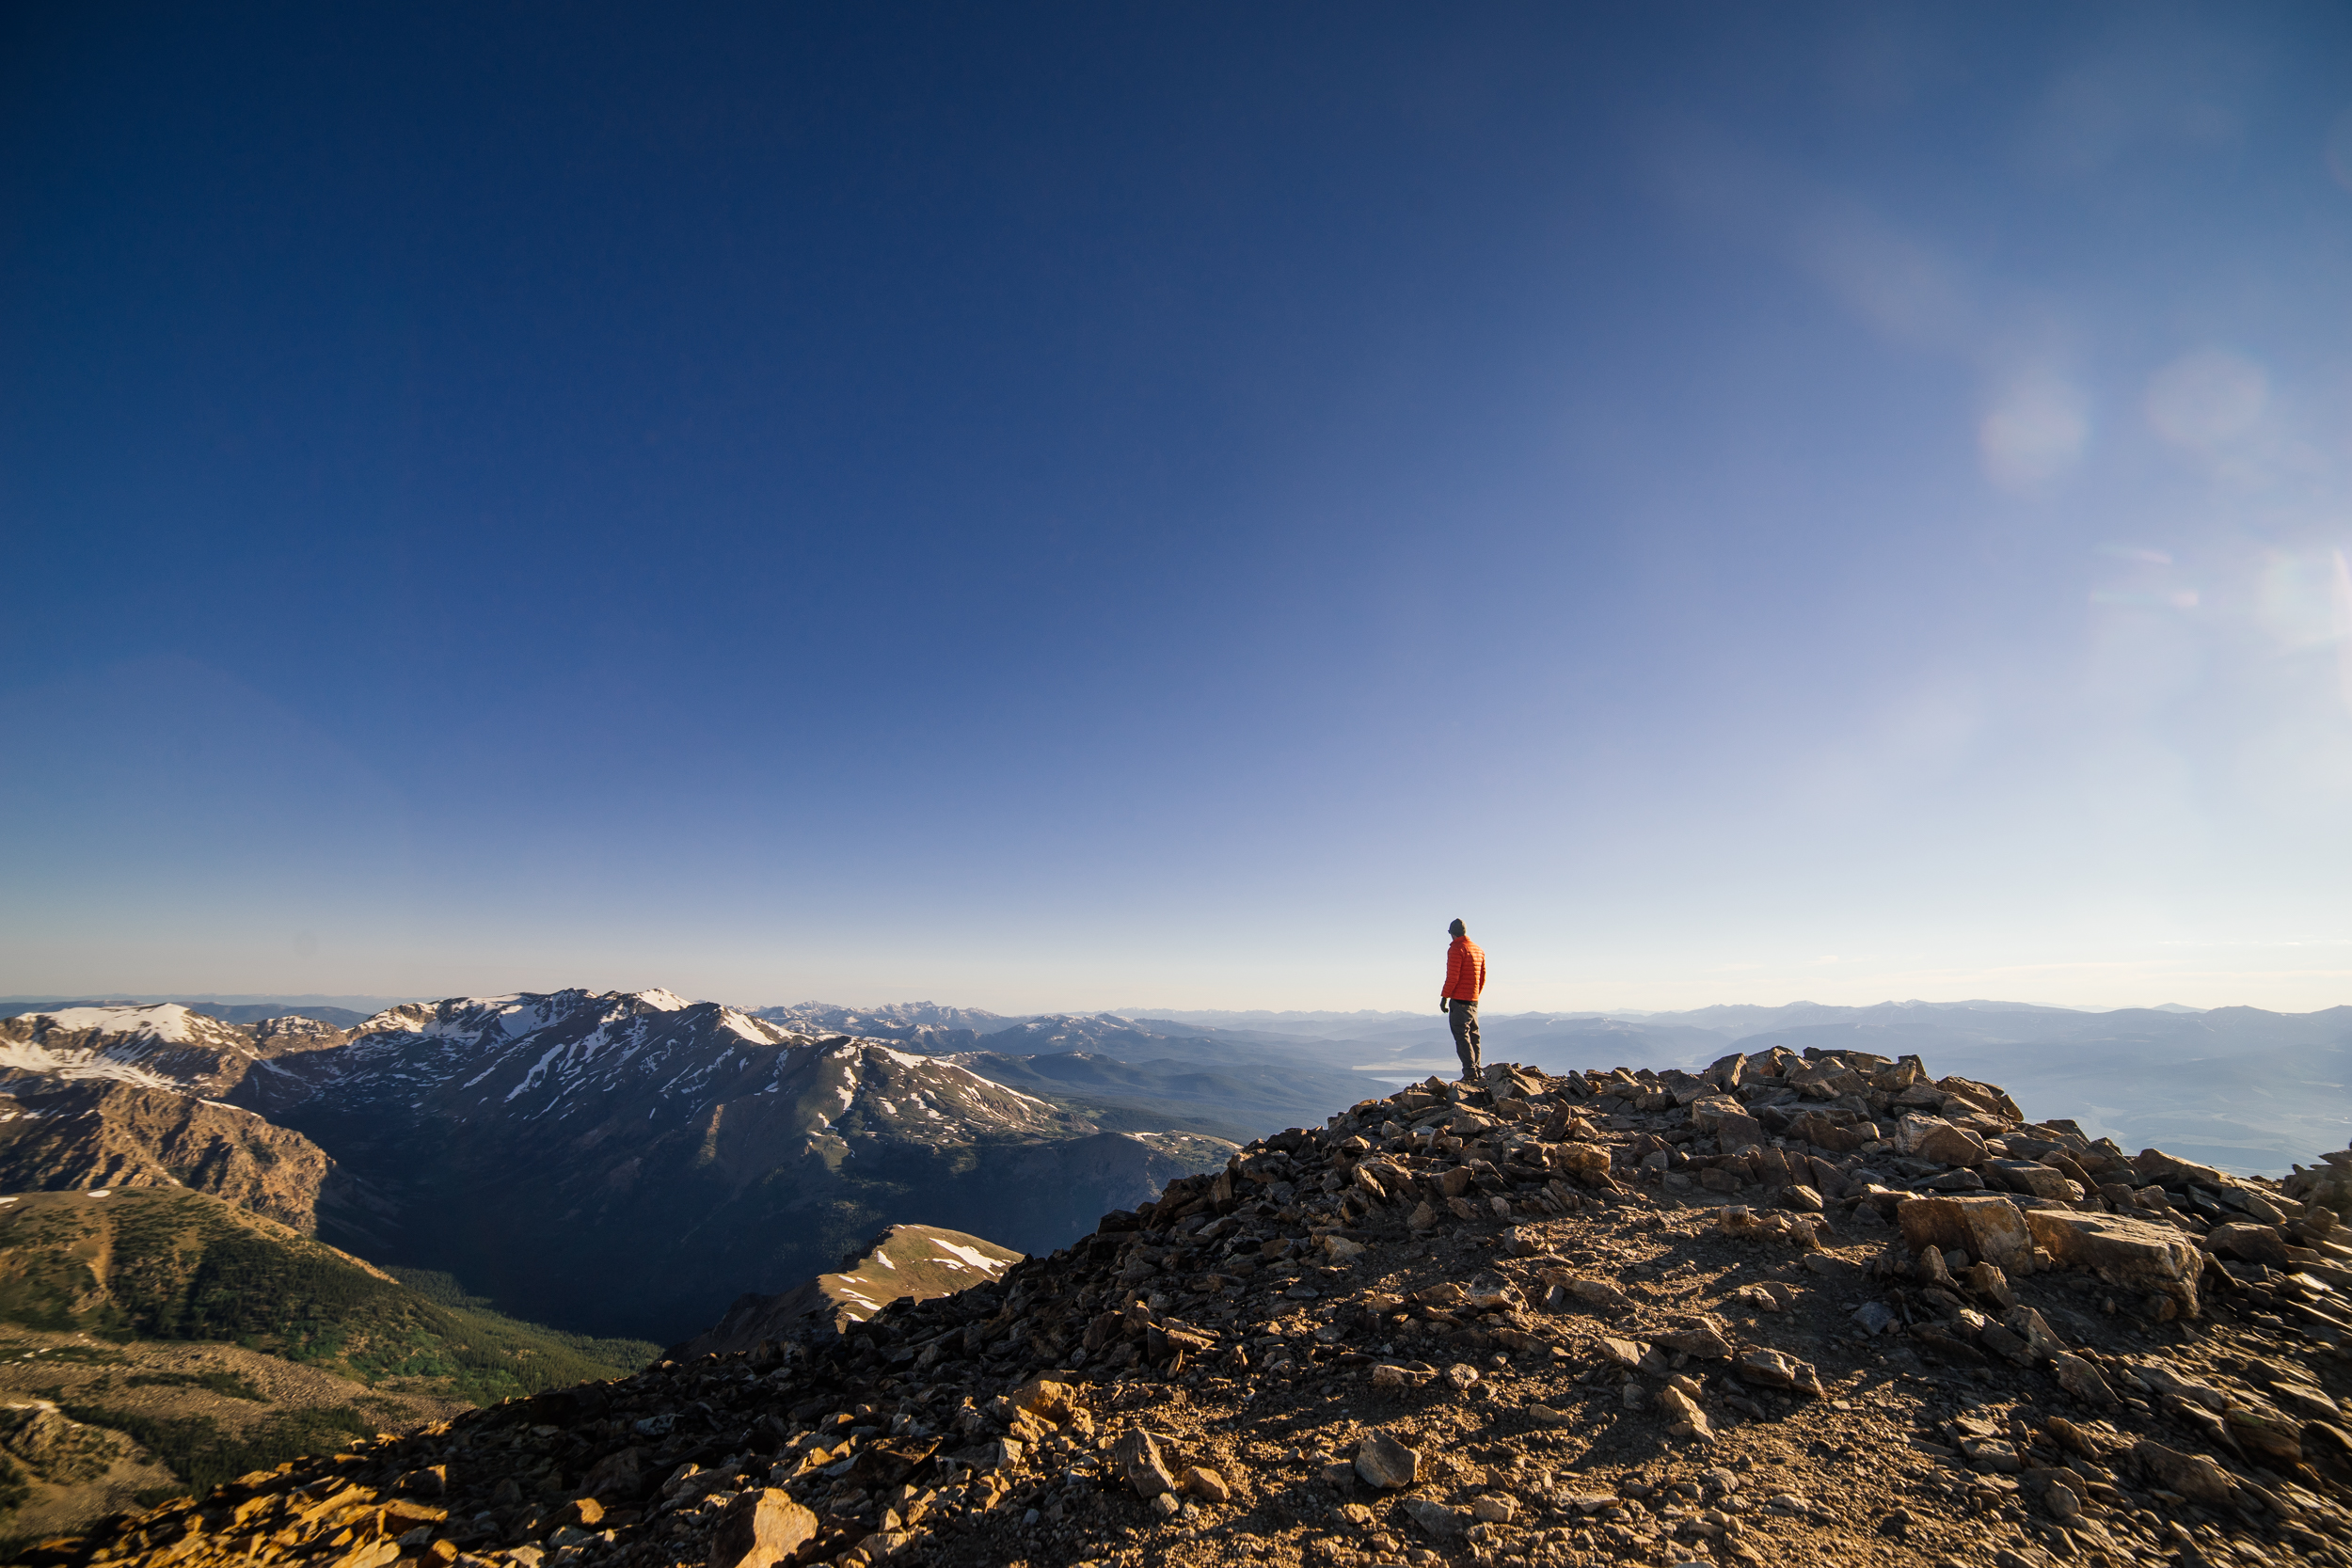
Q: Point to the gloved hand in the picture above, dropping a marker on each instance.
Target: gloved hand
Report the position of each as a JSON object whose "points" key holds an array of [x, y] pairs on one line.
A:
{"points": [[1445, 1005]]}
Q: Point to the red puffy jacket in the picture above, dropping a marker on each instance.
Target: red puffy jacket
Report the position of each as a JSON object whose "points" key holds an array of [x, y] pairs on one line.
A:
{"points": [[1465, 969]]}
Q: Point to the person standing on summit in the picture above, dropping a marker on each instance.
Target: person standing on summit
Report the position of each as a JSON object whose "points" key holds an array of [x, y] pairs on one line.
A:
{"points": [[1465, 977]]}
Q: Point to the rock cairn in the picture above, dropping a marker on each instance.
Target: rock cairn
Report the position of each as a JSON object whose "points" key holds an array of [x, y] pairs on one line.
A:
{"points": [[1819, 1308]]}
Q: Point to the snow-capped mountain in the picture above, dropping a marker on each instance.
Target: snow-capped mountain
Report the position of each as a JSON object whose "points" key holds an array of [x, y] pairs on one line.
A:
{"points": [[527, 1140], [159, 1046], [524, 1142], [97, 1098]]}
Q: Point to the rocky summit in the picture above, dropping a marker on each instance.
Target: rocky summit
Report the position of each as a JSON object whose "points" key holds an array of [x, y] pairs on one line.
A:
{"points": [[1818, 1308]]}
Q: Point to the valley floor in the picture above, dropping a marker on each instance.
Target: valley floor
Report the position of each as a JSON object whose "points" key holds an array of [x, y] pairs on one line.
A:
{"points": [[90, 1427]]}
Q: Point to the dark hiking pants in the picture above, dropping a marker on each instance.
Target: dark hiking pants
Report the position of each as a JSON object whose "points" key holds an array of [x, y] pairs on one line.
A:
{"points": [[1463, 1016]]}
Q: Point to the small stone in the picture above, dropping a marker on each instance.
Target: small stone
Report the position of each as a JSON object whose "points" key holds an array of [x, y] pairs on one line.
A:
{"points": [[1165, 1505], [1206, 1485], [1802, 1199], [760, 1528], [1436, 1520], [1139, 1459], [1423, 1218], [1391, 1380], [1990, 1284], [1386, 1463], [2000, 1341], [1462, 1375], [1776, 1370], [2028, 1325], [1875, 1316], [1545, 1416], [2195, 1477], [1691, 1420], [2081, 1379], [1702, 1337], [1496, 1508]]}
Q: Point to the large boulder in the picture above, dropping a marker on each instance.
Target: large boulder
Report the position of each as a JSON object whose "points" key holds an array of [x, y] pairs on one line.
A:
{"points": [[2154, 1164], [2254, 1244], [1933, 1138], [2136, 1255], [1988, 1229], [2034, 1180], [2328, 1185], [1734, 1129]]}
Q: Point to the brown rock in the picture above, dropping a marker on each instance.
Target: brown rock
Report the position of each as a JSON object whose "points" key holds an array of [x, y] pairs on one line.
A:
{"points": [[1988, 1229], [760, 1528], [2262, 1428], [1701, 1336], [2255, 1243], [1990, 1284], [1689, 1421], [1043, 1398], [2194, 1476], [1139, 1459], [2082, 1380], [1587, 1163], [2029, 1325], [2002, 1342], [2139, 1254], [2154, 1164], [1383, 1462], [617, 1475], [1775, 1369], [1206, 1485], [2034, 1180], [1436, 1520], [1933, 1138]]}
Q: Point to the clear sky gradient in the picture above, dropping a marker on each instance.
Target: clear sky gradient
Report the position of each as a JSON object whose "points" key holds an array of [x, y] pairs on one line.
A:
{"points": [[1053, 506]]}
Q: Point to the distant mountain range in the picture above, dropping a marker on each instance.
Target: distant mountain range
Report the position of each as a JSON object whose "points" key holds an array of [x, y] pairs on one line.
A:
{"points": [[524, 1144]]}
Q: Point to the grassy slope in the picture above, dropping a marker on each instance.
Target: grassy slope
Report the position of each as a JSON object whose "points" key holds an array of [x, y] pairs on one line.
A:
{"points": [[163, 1264]]}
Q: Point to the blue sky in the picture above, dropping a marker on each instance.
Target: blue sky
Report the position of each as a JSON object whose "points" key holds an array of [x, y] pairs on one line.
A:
{"points": [[1067, 507]]}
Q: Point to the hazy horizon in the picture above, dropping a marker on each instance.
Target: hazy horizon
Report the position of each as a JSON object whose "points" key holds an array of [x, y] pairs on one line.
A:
{"points": [[1069, 505], [353, 1003]]}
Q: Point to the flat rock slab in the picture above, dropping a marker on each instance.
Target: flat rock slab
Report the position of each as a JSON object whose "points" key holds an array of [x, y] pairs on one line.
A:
{"points": [[2139, 1254], [1988, 1229]]}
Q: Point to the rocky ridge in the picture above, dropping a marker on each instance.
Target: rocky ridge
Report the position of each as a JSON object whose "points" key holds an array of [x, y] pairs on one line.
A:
{"points": [[1819, 1308], [101, 1134]]}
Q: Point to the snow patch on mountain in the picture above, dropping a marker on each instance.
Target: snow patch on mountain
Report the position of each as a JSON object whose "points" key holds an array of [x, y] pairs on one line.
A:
{"points": [[70, 1065], [164, 1020]]}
